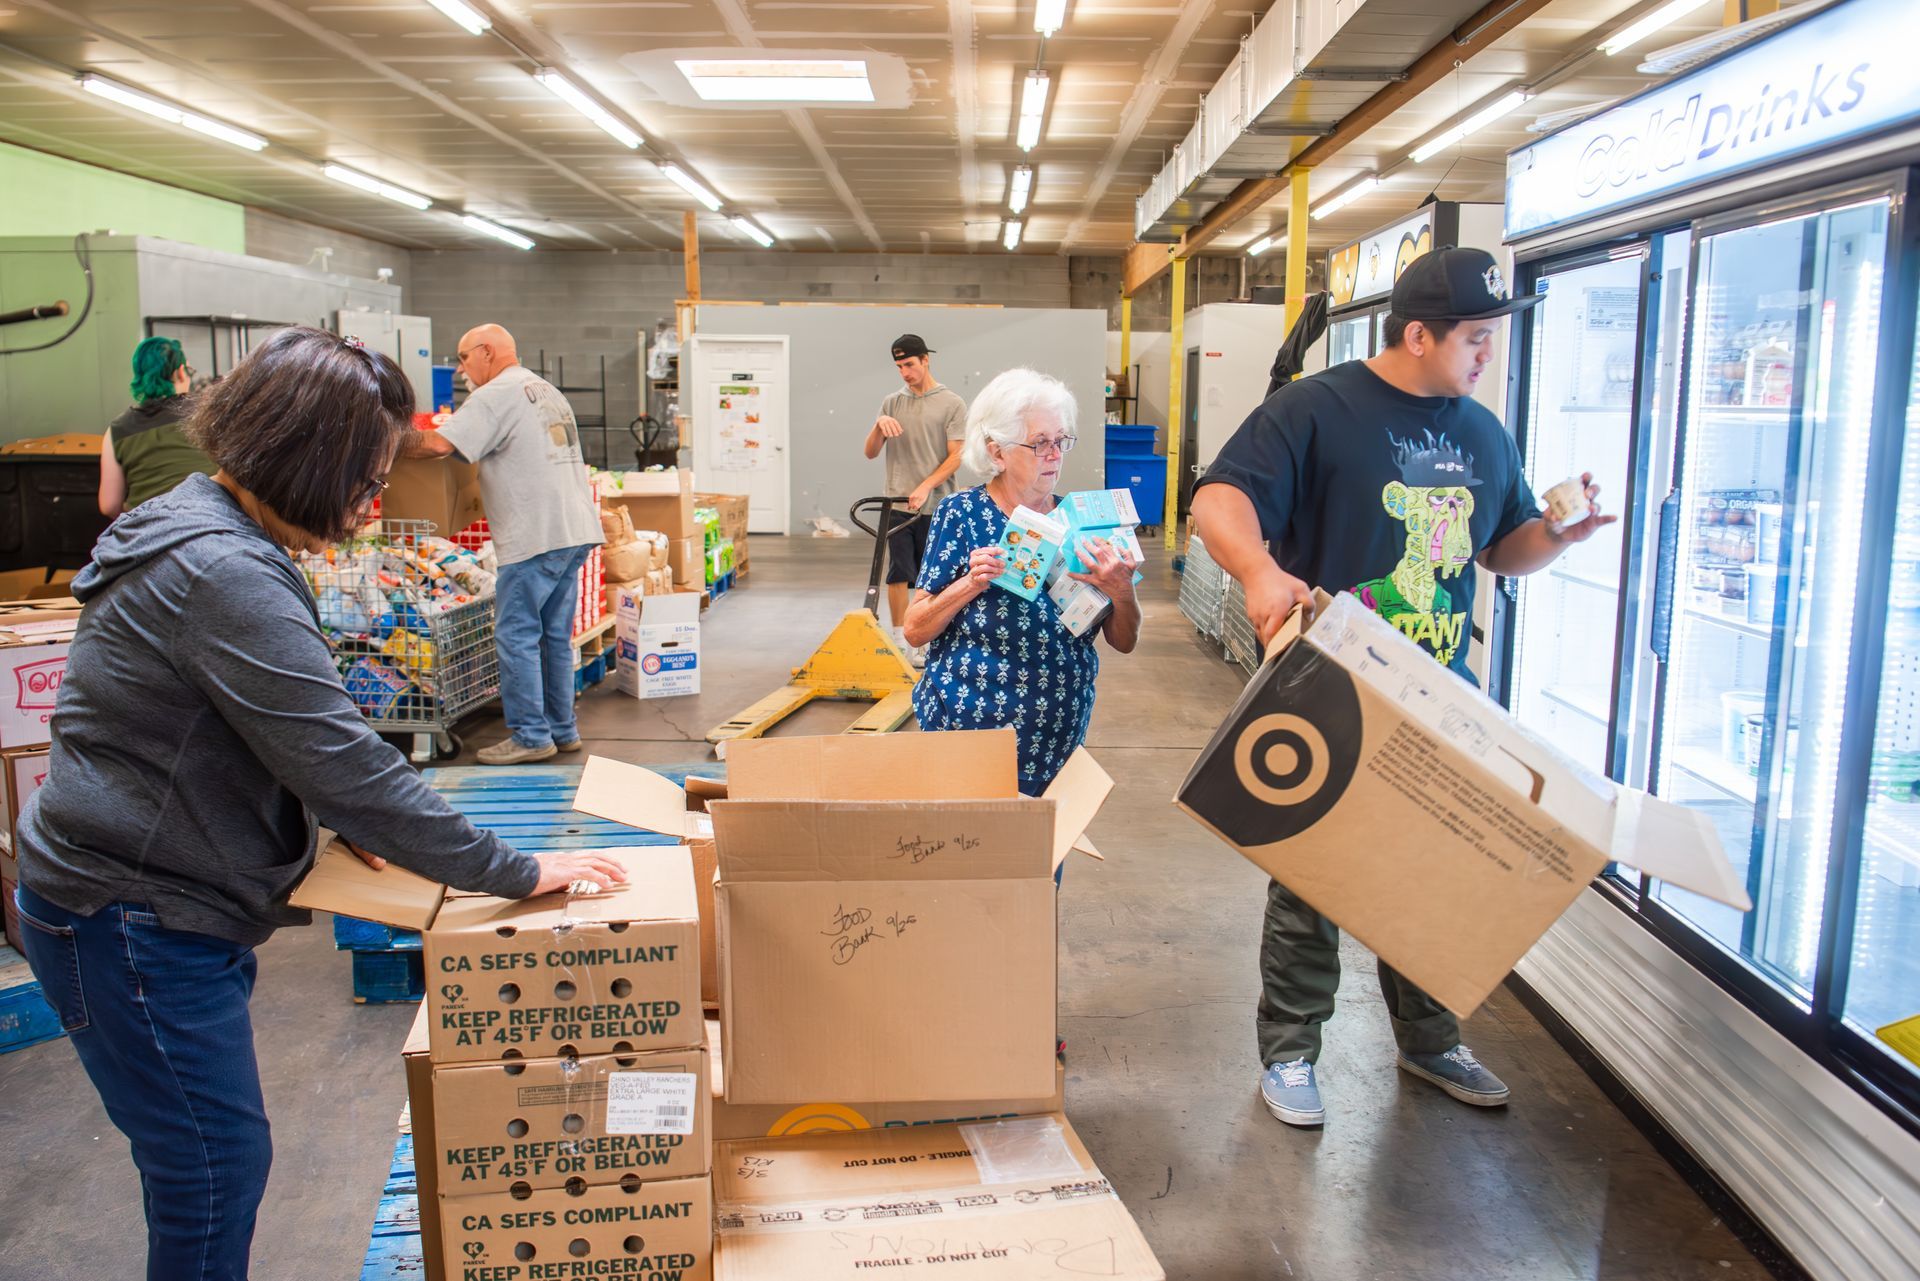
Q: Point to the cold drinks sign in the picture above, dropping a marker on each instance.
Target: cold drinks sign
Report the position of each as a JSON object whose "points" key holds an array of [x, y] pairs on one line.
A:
{"points": [[1840, 74]]}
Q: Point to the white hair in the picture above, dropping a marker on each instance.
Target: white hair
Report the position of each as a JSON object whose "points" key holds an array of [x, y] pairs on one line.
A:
{"points": [[999, 413]]}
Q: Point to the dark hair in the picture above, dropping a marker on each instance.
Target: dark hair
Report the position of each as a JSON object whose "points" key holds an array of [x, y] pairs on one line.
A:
{"points": [[307, 422], [155, 362], [1395, 330]]}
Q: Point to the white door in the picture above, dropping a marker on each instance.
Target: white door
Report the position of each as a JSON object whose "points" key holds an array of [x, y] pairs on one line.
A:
{"points": [[739, 394]]}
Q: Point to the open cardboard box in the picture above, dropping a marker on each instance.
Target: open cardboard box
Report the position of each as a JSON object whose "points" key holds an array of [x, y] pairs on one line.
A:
{"points": [[887, 917], [445, 491], [609, 973], [996, 1200], [638, 797], [1416, 814], [34, 639]]}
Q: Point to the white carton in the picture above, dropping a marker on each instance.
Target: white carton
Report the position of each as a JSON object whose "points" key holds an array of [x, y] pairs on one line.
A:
{"points": [[33, 661], [658, 639]]}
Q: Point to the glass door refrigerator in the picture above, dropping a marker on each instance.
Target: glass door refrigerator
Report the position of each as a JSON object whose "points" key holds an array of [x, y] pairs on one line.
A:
{"points": [[1727, 343], [1360, 275]]}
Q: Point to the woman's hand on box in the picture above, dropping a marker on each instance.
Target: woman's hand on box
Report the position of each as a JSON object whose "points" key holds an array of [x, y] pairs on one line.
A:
{"points": [[1111, 572], [983, 566], [559, 869]]}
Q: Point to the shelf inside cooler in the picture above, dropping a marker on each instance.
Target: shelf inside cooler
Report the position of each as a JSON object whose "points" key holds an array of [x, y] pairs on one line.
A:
{"points": [[1716, 771], [1894, 833], [1591, 703], [1732, 622], [1566, 575]]}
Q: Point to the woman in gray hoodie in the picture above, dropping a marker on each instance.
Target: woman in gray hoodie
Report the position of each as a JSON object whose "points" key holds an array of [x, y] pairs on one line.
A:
{"points": [[201, 734]]}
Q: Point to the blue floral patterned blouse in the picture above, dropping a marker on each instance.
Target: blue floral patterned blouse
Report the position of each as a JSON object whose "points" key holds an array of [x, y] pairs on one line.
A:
{"points": [[1002, 660]]}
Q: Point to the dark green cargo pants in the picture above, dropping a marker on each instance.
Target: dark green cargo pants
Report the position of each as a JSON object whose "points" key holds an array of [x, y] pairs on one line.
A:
{"points": [[1300, 971]]}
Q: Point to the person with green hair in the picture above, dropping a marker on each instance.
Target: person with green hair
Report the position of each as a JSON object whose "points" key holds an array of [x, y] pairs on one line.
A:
{"points": [[145, 453]]}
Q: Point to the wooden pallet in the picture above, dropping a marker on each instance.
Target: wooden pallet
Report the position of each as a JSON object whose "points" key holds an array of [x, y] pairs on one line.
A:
{"points": [[25, 1017]]}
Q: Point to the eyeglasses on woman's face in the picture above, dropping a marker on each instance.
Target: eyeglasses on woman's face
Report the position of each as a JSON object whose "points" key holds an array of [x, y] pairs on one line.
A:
{"points": [[1049, 446], [375, 487]]}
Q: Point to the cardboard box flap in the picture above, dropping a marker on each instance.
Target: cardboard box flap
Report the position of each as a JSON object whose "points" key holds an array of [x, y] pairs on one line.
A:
{"points": [[339, 882], [1078, 792], [657, 889], [638, 797], [883, 840], [1677, 845], [942, 766]]}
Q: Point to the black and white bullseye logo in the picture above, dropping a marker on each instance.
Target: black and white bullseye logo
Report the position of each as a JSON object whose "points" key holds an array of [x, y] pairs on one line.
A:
{"points": [[1281, 759]]}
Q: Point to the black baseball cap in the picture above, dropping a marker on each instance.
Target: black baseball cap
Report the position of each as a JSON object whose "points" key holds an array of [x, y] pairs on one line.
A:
{"points": [[910, 345], [1455, 284]]}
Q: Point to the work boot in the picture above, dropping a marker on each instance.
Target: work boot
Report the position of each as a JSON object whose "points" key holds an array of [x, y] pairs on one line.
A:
{"points": [[1292, 1095], [509, 752], [1459, 1074]]}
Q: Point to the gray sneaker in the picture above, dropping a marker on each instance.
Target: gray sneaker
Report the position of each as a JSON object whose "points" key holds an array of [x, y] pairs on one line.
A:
{"points": [[508, 752], [1459, 1074], [1290, 1093]]}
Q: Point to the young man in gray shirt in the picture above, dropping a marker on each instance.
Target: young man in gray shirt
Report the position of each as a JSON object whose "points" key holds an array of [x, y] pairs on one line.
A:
{"points": [[920, 428], [520, 430]]}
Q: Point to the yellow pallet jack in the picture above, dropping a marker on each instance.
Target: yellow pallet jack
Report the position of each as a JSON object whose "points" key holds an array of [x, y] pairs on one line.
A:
{"points": [[858, 661]]}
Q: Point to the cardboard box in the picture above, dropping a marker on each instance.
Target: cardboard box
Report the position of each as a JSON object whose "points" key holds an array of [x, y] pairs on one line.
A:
{"points": [[998, 1201], [780, 1120], [658, 644], [609, 973], [445, 491], [417, 1061], [34, 641], [1416, 813], [898, 949], [23, 771], [653, 1231], [653, 500], [640, 798], [1032, 543], [687, 558], [1081, 606], [1090, 509], [9, 910], [732, 510], [539, 1123]]}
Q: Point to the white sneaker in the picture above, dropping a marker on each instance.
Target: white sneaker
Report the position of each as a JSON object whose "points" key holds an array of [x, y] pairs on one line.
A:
{"points": [[917, 655]]}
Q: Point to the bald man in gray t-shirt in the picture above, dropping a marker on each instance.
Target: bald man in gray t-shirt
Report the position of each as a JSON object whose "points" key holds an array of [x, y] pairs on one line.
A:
{"points": [[920, 428]]}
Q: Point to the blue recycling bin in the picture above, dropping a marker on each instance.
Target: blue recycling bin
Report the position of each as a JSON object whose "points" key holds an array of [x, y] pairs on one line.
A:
{"points": [[442, 387], [1130, 438], [1145, 475]]}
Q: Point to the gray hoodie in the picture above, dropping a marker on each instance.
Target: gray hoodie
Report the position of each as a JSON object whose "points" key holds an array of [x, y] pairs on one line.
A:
{"points": [[201, 730]]}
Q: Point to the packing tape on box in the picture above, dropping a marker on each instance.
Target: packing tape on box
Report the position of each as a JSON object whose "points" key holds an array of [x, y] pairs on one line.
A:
{"points": [[943, 1204]]}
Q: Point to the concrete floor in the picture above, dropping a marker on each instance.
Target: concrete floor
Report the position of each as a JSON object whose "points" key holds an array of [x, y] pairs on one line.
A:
{"points": [[1156, 1002]]}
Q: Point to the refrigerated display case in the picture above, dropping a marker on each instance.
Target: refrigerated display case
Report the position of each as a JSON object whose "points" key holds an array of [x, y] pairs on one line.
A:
{"points": [[1361, 275], [1727, 344]]}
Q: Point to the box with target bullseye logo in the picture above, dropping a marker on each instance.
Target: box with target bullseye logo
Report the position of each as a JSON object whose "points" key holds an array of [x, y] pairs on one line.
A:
{"points": [[1411, 810]]}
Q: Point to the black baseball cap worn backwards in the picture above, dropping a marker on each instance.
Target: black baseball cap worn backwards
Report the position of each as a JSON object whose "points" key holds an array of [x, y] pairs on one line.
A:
{"points": [[910, 345], [1455, 284]]}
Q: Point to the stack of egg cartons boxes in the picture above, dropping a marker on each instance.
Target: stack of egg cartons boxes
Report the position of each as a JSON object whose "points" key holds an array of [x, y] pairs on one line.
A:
{"points": [[560, 1084]]}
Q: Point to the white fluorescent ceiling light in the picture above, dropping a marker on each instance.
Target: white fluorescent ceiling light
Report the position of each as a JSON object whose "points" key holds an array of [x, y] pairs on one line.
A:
{"points": [[1033, 108], [752, 231], [467, 16], [777, 79], [571, 94], [1011, 238], [1263, 244], [1022, 186], [498, 232], [692, 186], [115, 92], [1049, 16], [1466, 128], [372, 185], [1335, 203], [1665, 15]]}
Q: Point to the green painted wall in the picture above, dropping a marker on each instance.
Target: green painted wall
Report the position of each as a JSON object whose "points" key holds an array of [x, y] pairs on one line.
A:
{"points": [[48, 196]]}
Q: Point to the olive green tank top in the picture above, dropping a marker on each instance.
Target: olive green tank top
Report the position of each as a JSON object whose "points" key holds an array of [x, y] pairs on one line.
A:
{"points": [[153, 451]]}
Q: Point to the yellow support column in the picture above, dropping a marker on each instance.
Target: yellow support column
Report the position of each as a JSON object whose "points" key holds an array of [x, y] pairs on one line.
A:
{"points": [[1176, 412], [1126, 342], [1296, 244]]}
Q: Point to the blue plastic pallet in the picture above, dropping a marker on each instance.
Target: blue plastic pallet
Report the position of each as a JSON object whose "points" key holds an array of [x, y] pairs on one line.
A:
{"points": [[351, 934], [383, 977], [25, 1017], [589, 673], [531, 806]]}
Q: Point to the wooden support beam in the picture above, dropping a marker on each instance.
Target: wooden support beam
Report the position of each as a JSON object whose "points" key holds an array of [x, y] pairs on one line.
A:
{"points": [[690, 235], [1143, 263]]}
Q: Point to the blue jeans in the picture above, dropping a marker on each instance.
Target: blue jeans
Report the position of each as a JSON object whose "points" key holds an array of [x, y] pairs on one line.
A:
{"points": [[533, 632], [159, 1020]]}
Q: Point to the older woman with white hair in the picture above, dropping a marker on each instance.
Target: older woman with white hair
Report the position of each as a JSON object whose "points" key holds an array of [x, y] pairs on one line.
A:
{"points": [[993, 658]]}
